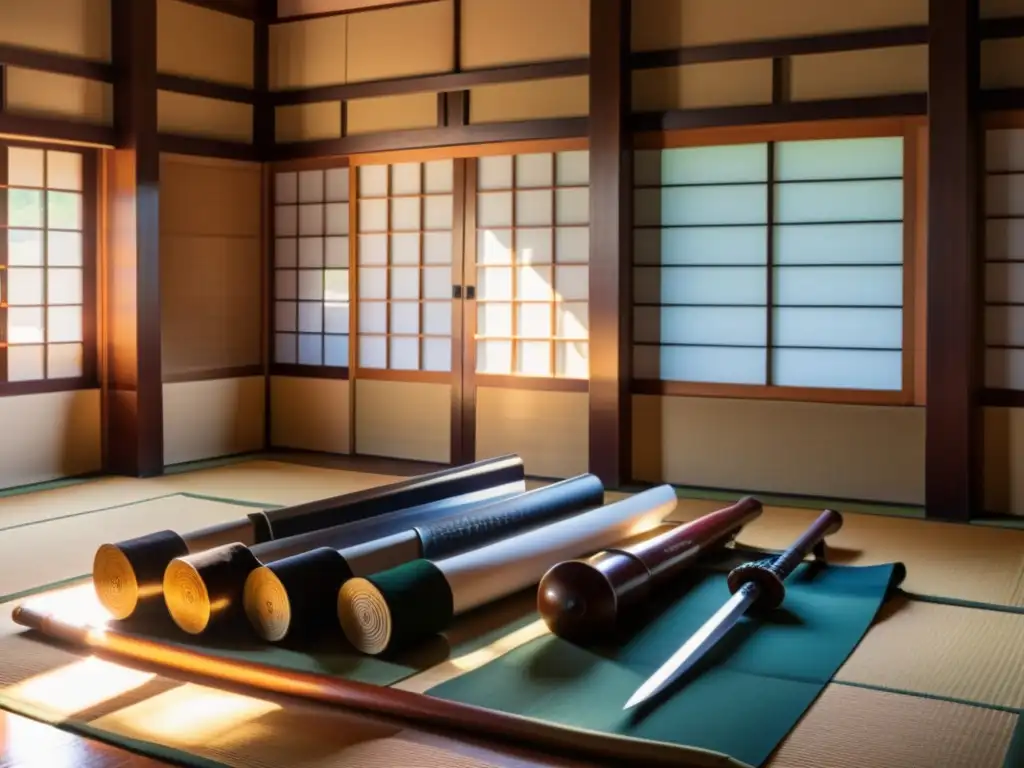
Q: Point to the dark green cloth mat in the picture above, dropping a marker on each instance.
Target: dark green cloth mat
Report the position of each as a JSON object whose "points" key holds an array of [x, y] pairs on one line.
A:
{"points": [[748, 694]]}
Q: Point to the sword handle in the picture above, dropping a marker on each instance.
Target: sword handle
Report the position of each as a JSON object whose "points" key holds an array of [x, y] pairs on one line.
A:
{"points": [[768, 575]]}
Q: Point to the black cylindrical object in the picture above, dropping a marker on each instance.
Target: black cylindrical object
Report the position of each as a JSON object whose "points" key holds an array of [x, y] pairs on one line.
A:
{"points": [[204, 591], [128, 576], [297, 596]]}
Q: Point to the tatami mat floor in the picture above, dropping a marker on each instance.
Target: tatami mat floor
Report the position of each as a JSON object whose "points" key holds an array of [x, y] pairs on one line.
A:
{"points": [[939, 682]]}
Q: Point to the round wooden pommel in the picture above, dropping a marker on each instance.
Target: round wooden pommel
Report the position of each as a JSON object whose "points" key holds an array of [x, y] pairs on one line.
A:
{"points": [[577, 602], [364, 616], [267, 605], [772, 589], [186, 597], [128, 576]]}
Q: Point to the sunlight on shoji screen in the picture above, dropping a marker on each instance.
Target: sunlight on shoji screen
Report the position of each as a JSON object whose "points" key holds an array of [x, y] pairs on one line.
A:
{"points": [[311, 294], [1004, 259], [43, 283], [700, 256], [533, 246], [405, 266], [838, 256]]}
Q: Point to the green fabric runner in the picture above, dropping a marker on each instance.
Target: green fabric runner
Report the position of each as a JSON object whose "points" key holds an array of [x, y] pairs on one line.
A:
{"points": [[749, 692], [1015, 752]]}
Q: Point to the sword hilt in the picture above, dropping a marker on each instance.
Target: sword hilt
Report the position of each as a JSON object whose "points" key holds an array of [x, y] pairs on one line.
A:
{"points": [[770, 574]]}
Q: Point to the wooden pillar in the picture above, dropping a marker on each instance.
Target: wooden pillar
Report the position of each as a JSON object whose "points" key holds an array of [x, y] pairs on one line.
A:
{"points": [[263, 109], [611, 240], [953, 450], [131, 382]]}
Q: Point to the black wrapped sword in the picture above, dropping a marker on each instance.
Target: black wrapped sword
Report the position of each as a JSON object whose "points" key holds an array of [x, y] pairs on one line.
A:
{"points": [[759, 585]]}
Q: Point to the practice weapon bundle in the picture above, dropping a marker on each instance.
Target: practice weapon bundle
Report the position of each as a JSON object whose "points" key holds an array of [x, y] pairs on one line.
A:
{"points": [[394, 565]]}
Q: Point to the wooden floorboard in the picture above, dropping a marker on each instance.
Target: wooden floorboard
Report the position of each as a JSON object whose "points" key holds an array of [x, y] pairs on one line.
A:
{"points": [[26, 743]]}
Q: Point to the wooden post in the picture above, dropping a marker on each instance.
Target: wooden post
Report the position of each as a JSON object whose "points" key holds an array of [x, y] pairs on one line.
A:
{"points": [[954, 447], [131, 374], [611, 240]]}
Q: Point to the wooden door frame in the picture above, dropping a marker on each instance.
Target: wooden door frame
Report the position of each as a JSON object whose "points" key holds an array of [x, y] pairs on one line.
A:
{"points": [[462, 377], [470, 379]]}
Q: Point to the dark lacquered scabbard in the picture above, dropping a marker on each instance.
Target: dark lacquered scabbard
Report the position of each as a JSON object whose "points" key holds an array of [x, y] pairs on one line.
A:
{"points": [[583, 600]]}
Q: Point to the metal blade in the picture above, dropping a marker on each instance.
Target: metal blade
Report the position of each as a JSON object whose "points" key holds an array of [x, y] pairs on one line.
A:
{"points": [[699, 644]]}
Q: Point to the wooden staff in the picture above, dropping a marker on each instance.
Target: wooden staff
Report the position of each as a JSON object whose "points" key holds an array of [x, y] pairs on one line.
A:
{"points": [[204, 591], [398, 607], [128, 575], [298, 596], [582, 600]]}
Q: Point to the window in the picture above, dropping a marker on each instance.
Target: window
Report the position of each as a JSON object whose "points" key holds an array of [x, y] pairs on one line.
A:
{"points": [[311, 295], [533, 245], [405, 266], [46, 263], [771, 264], [1004, 259]]}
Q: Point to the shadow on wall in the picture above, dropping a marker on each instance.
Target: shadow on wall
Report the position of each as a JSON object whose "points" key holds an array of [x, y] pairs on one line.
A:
{"points": [[648, 441], [999, 464]]}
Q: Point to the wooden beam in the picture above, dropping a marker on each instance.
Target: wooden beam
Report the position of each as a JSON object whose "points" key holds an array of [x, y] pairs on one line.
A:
{"points": [[203, 147], [1003, 398], [244, 9], [784, 46], [611, 239], [345, 9], [205, 88], [1003, 27], [905, 105], [263, 110], [425, 138], [450, 81], [953, 448], [58, 63], [55, 129], [131, 379], [1002, 100]]}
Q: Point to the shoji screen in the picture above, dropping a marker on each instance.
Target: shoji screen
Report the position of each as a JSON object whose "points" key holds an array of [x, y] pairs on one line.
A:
{"points": [[311, 293], [44, 286], [838, 282], [1004, 259], [700, 255], [405, 266], [533, 243], [771, 264]]}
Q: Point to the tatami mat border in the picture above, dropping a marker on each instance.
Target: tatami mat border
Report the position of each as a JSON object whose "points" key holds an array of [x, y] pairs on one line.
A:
{"points": [[70, 515], [957, 603], [930, 696], [227, 500], [187, 494], [70, 581]]}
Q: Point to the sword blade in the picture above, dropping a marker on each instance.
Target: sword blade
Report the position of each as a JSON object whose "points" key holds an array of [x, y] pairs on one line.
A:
{"points": [[700, 643]]}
